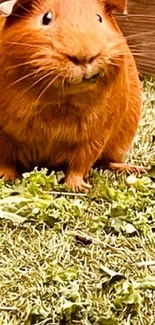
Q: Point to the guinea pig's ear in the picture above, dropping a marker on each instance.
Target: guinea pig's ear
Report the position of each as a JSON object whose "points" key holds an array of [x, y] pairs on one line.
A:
{"points": [[118, 5], [6, 8]]}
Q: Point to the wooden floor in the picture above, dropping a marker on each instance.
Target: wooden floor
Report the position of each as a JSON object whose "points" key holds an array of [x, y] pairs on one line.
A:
{"points": [[139, 28]]}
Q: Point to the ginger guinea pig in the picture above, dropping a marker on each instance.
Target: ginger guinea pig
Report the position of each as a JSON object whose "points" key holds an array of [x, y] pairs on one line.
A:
{"points": [[69, 88]]}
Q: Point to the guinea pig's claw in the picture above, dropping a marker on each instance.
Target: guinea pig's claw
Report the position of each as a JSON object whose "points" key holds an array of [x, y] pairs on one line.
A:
{"points": [[8, 173], [120, 167], [76, 183]]}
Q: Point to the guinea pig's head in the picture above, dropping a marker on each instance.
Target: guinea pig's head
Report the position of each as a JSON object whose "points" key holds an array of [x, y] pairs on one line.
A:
{"points": [[61, 42]]}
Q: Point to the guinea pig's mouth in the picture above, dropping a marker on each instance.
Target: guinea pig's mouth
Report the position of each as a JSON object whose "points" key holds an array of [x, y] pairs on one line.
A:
{"points": [[82, 85], [92, 79], [82, 82], [85, 80]]}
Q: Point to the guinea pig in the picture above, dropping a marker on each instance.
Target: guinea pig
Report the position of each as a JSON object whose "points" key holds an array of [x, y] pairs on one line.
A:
{"points": [[70, 94]]}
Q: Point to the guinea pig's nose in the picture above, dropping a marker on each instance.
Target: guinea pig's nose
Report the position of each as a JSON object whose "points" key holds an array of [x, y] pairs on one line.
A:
{"points": [[81, 59]]}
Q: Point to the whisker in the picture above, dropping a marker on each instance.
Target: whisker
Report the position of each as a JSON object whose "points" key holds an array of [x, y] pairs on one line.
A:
{"points": [[141, 44], [23, 44], [61, 89], [127, 54], [138, 34], [134, 45], [23, 8], [144, 63], [136, 15], [24, 77], [35, 83], [112, 63], [143, 57], [15, 15], [48, 86], [120, 57], [31, 62], [63, 85], [59, 95], [22, 64]]}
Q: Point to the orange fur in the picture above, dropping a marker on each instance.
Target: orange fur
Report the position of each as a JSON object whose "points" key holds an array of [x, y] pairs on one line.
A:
{"points": [[49, 115]]}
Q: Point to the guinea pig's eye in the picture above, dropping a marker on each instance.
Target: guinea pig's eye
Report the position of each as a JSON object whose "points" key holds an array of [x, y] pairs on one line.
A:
{"points": [[47, 18], [99, 18]]}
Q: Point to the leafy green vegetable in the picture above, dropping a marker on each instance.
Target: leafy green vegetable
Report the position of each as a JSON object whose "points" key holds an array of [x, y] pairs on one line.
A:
{"points": [[83, 259]]}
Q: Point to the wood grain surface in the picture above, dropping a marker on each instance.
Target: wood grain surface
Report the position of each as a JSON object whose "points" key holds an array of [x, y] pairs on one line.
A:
{"points": [[139, 28]]}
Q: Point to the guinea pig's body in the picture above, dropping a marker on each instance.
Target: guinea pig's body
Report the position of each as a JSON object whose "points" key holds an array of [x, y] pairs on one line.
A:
{"points": [[69, 90]]}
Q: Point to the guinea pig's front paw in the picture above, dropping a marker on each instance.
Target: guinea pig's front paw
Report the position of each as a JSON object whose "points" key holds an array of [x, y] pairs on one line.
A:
{"points": [[76, 183], [8, 173]]}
